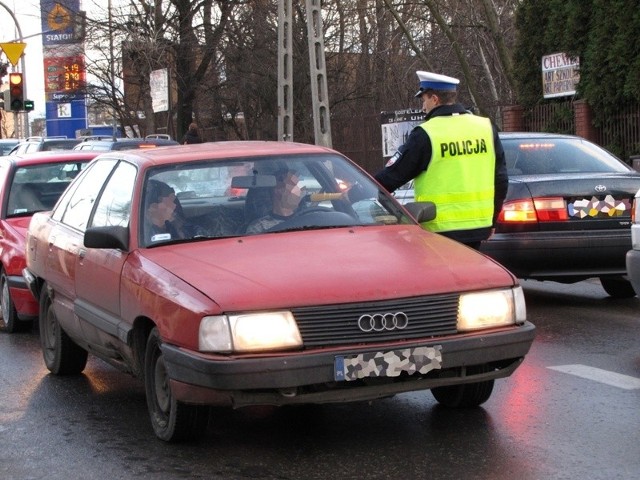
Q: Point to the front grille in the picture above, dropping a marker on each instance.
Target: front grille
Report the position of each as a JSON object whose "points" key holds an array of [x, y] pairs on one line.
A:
{"points": [[331, 325]]}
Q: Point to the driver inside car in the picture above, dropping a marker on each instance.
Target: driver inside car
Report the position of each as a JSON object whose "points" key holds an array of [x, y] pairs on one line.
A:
{"points": [[286, 198]]}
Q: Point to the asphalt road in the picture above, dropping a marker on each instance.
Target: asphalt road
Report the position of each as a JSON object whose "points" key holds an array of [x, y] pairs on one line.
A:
{"points": [[572, 410]]}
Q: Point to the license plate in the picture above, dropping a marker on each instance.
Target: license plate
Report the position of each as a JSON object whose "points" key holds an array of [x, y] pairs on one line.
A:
{"points": [[595, 208], [387, 364]]}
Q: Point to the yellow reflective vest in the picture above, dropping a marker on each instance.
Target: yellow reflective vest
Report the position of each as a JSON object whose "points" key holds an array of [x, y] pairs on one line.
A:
{"points": [[460, 178]]}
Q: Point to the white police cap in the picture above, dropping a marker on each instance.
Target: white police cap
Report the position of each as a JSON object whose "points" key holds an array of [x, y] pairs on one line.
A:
{"points": [[435, 81]]}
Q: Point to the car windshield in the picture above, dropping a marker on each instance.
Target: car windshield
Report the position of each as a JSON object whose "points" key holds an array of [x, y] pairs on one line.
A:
{"points": [[536, 156], [260, 195]]}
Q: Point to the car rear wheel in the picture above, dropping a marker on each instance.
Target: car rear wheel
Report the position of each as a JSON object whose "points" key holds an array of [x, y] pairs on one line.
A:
{"points": [[9, 314], [465, 395], [62, 356], [617, 287], [172, 420]]}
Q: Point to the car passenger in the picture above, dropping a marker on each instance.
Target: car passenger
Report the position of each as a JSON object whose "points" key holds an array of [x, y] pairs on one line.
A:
{"points": [[163, 216]]}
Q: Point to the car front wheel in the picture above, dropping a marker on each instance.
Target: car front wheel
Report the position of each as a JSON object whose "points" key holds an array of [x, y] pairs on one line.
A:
{"points": [[62, 356], [465, 395], [172, 421], [617, 287]]}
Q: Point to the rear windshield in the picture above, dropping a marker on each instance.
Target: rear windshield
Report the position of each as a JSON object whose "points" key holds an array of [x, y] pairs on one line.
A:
{"points": [[535, 156], [56, 145]]}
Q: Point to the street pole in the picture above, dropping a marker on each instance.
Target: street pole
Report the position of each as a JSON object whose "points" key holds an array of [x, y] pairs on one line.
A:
{"points": [[112, 73], [23, 69]]}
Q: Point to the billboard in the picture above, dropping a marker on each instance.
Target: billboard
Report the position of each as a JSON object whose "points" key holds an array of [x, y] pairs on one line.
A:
{"points": [[560, 75], [64, 66], [396, 127]]}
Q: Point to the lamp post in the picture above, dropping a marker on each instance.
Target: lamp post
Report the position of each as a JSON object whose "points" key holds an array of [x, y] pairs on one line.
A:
{"points": [[23, 68]]}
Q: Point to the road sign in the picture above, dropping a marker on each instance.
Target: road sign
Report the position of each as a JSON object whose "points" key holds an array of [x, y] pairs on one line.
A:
{"points": [[13, 51]]}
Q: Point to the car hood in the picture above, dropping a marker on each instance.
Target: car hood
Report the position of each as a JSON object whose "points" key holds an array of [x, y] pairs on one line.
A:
{"points": [[328, 266]]}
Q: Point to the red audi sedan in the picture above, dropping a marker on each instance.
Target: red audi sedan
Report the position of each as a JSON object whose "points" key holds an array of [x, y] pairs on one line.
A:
{"points": [[29, 183], [264, 273]]}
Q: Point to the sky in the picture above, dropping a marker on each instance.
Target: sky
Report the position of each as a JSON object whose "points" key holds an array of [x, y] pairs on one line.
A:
{"points": [[27, 14], [28, 18]]}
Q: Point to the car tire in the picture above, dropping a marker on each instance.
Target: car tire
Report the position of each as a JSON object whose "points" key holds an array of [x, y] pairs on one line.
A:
{"points": [[617, 287], [465, 395], [62, 356], [172, 421], [12, 323]]}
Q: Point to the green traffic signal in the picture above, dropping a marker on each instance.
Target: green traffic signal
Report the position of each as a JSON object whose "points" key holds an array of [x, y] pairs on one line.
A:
{"points": [[28, 105]]}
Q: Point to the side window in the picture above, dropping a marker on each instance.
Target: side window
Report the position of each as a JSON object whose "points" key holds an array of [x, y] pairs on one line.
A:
{"points": [[114, 206], [80, 205]]}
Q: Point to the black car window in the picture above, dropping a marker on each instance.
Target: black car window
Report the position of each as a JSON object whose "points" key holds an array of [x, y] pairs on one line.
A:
{"points": [[114, 205]]}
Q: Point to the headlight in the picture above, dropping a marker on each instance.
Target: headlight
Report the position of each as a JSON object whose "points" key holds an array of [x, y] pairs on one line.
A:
{"points": [[496, 308], [250, 332]]}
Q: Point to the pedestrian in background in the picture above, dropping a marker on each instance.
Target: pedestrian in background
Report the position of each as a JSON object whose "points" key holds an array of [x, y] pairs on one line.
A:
{"points": [[457, 161], [192, 135]]}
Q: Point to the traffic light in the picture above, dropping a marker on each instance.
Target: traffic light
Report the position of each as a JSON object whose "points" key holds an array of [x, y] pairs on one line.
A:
{"points": [[16, 91], [28, 105]]}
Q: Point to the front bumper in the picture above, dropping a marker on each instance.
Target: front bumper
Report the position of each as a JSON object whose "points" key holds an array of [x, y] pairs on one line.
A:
{"points": [[553, 255], [309, 377]]}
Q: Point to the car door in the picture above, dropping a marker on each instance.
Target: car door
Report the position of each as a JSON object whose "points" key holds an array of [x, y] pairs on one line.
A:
{"points": [[68, 222], [98, 270]]}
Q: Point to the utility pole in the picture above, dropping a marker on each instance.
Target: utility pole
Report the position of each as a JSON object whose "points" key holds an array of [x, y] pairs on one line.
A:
{"points": [[318, 70], [285, 73]]}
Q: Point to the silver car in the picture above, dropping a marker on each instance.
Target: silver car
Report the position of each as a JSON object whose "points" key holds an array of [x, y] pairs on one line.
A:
{"points": [[633, 255]]}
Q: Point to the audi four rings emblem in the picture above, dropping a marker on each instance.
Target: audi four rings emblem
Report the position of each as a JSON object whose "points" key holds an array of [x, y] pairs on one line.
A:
{"points": [[379, 322], [600, 188]]}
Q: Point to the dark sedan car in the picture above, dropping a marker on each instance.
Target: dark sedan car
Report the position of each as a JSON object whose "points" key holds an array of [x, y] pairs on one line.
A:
{"points": [[567, 215]]}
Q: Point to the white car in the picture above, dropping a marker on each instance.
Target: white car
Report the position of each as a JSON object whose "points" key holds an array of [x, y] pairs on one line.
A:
{"points": [[405, 194], [633, 255]]}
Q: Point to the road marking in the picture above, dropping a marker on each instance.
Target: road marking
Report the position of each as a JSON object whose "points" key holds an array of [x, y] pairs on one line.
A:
{"points": [[599, 375]]}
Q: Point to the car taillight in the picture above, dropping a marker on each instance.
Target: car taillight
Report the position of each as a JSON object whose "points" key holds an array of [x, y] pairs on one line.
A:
{"points": [[552, 209]]}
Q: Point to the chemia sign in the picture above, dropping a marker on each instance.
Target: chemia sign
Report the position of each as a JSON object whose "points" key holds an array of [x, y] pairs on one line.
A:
{"points": [[560, 75]]}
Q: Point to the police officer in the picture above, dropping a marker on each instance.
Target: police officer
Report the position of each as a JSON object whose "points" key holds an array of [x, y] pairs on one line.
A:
{"points": [[457, 161]]}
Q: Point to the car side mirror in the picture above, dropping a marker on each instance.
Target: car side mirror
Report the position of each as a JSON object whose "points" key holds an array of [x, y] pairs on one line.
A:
{"points": [[107, 237], [421, 211]]}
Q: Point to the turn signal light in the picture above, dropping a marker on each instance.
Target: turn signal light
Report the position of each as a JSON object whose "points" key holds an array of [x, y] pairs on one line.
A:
{"points": [[552, 209]]}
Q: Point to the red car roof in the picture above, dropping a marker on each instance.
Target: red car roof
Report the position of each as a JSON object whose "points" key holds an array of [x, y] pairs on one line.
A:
{"points": [[34, 158], [218, 150]]}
